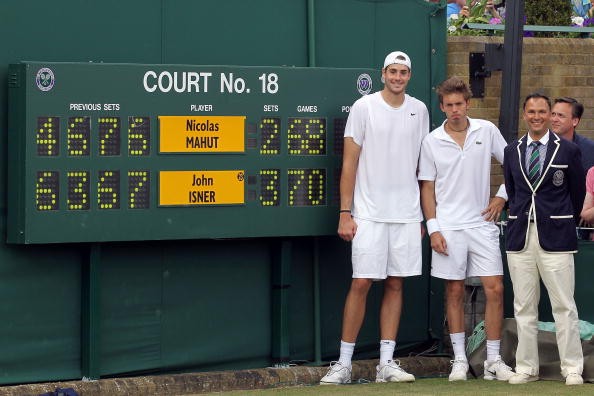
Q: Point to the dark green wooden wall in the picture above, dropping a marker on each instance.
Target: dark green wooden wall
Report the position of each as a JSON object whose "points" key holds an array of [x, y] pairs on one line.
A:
{"points": [[69, 311]]}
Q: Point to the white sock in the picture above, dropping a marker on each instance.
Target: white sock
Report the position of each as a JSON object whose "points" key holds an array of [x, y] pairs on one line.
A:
{"points": [[458, 340], [386, 351], [493, 350], [346, 353]]}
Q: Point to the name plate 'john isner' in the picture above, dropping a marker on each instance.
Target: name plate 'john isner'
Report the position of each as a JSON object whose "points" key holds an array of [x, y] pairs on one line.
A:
{"points": [[202, 196], [184, 188], [201, 134]]}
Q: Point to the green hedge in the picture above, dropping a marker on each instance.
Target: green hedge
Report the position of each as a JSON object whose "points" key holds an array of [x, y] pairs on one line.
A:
{"points": [[548, 13]]}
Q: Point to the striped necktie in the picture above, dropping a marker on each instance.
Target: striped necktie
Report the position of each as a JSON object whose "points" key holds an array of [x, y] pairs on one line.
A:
{"points": [[534, 163]]}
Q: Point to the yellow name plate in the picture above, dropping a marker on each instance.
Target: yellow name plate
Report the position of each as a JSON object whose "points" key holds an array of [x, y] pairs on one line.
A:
{"points": [[201, 134], [184, 188]]}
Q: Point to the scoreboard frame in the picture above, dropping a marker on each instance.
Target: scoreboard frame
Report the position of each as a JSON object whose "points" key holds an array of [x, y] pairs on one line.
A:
{"points": [[111, 152]]}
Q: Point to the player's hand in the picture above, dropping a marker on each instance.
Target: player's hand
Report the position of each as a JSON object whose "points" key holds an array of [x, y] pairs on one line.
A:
{"points": [[493, 211], [347, 228], [438, 243]]}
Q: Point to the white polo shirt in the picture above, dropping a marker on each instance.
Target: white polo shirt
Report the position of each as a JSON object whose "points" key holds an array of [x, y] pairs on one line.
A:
{"points": [[386, 186], [462, 176]]}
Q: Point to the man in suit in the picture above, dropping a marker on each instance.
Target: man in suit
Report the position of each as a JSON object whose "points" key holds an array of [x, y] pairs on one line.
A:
{"points": [[565, 118], [544, 179]]}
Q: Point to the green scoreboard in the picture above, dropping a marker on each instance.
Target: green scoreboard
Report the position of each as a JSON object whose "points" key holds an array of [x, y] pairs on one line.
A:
{"points": [[119, 152]]}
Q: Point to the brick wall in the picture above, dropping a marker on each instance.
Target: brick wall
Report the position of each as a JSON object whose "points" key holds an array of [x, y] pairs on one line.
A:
{"points": [[553, 66]]}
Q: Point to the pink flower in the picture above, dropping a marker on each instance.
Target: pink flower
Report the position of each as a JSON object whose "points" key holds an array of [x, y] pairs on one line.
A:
{"points": [[495, 21]]}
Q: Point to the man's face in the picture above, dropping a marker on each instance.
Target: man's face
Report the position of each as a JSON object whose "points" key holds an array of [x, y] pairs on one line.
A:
{"points": [[454, 106], [396, 78], [562, 120], [537, 115]]}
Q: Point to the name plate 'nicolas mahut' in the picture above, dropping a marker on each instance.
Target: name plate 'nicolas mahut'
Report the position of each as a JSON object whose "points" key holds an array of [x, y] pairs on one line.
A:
{"points": [[201, 134]]}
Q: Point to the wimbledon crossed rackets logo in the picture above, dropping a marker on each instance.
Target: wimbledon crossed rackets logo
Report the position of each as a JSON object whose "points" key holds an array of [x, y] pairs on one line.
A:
{"points": [[45, 79]]}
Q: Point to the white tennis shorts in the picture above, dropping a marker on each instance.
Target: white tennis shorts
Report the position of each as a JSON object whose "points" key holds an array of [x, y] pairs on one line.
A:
{"points": [[380, 250], [471, 252]]}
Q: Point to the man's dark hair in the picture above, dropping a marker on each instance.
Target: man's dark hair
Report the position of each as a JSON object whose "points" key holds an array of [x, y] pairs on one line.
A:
{"points": [[577, 109], [537, 95]]}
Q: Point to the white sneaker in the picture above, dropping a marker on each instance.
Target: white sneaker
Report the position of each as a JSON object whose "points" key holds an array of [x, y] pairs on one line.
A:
{"points": [[392, 372], [459, 370], [521, 378], [574, 379], [337, 374], [497, 370]]}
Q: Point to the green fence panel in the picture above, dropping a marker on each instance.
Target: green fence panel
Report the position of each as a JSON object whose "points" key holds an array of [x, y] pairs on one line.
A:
{"points": [[363, 32], [131, 308], [262, 33], [40, 310], [216, 304], [205, 304]]}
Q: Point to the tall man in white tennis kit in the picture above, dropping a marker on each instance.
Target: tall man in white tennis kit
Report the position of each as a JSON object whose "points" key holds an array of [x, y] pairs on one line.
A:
{"points": [[380, 210], [455, 170]]}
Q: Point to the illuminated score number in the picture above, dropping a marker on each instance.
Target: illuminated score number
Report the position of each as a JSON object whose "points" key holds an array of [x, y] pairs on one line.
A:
{"points": [[269, 82], [139, 185], [139, 136], [78, 190], [307, 187], [270, 187], [47, 190], [270, 143], [108, 190], [48, 136], [307, 136], [78, 136], [109, 136]]}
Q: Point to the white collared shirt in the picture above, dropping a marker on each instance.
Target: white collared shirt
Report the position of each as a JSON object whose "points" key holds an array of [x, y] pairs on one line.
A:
{"points": [[542, 150], [462, 175]]}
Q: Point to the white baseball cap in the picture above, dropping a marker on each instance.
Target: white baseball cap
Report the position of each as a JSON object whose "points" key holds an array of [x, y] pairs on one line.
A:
{"points": [[398, 57]]}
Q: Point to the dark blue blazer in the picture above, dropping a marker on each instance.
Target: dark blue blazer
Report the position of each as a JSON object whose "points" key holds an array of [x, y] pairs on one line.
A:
{"points": [[556, 201], [587, 148]]}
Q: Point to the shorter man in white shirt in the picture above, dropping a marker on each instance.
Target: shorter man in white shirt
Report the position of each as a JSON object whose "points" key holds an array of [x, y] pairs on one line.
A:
{"points": [[455, 171]]}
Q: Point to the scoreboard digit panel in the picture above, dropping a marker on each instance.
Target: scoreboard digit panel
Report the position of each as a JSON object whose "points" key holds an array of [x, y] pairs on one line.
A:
{"points": [[118, 152]]}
